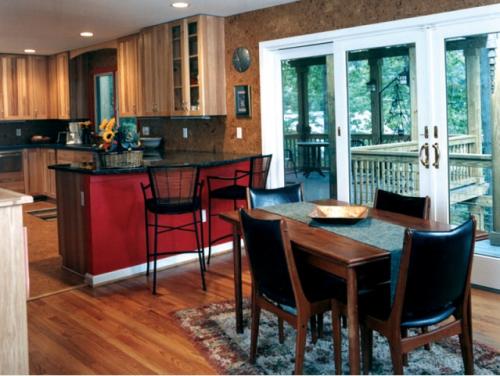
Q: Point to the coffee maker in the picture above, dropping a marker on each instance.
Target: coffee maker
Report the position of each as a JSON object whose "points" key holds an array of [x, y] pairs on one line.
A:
{"points": [[74, 135]]}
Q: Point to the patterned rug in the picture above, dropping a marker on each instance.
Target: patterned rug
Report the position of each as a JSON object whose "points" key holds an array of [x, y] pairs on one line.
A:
{"points": [[212, 329]]}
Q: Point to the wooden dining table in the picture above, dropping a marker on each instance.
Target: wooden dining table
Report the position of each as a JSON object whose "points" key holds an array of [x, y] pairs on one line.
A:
{"points": [[359, 264]]}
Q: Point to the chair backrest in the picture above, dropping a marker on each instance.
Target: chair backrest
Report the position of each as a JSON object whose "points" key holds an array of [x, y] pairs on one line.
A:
{"points": [[435, 270], [272, 264], [258, 198], [174, 184], [414, 206], [259, 170]]}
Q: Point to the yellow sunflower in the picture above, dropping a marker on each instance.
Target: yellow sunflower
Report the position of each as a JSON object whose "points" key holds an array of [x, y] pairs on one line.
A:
{"points": [[108, 136], [103, 124]]}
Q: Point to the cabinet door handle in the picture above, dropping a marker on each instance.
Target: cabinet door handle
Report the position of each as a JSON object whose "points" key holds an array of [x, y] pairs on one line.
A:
{"points": [[425, 150], [437, 155]]}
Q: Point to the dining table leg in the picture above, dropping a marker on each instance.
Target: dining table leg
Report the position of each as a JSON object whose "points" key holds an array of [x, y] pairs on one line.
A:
{"points": [[238, 298], [353, 321]]}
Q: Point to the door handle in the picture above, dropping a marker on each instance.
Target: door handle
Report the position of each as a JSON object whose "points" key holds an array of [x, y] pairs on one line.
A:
{"points": [[425, 150], [437, 155]]}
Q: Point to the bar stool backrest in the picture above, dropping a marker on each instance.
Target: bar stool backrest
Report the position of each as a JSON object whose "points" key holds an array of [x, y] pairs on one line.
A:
{"points": [[259, 170], [174, 184]]}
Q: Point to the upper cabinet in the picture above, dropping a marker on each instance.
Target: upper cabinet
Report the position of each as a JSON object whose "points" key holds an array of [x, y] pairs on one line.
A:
{"points": [[14, 87], [128, 75], [62, 85], [153, 76], [197, 68], [39, 89], [58, 86]]}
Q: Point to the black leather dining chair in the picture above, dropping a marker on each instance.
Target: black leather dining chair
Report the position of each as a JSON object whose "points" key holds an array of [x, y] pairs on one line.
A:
{"points": [[279, 284], [413, 206], [234, 189], [433, 285], [173, 191], [259, 198]]}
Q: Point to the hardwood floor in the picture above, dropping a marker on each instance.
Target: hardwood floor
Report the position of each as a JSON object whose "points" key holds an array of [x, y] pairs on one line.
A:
{"points": [[121, 328]]}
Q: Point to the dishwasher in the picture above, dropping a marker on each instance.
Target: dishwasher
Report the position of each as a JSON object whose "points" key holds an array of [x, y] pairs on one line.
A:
{"points": [[11, 170]]}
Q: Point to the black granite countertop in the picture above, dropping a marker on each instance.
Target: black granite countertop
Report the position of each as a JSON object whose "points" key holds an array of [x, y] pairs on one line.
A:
{"points": [[168, 158], [47, 146]]}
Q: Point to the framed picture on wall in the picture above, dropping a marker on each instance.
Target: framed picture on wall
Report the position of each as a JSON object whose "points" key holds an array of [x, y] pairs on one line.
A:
{"points": [[242, 101]]}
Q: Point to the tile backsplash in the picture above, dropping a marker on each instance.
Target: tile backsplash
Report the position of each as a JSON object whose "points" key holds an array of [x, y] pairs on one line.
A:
{"points": [[202, 134], [10, 130]]}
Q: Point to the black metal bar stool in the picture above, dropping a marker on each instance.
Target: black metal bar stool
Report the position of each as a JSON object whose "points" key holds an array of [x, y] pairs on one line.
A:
{"points": [[173, 191], [257, 178]]}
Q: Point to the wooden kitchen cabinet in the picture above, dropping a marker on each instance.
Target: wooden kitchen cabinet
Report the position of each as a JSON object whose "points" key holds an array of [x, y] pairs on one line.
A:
{"points": [[58, 86], [197, 68], [128, 75], [52, 86], [39, 180], [39, 87], [62, 84], [14, 79], [74, 156], [153, 76]]}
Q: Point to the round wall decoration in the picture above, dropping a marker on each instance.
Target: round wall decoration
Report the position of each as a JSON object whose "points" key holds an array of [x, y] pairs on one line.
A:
{"points": [[241, 59]]}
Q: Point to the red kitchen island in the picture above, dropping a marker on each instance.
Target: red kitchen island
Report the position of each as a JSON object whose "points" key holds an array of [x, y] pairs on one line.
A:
{"points": [[101, 216]]}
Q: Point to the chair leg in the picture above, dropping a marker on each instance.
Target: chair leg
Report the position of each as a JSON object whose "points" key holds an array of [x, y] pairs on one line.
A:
{"points": [[404, 334], [155, 253], [200, 250], [209, 216], [202, 235], [337, 337], [367, 348], [425, 329], [320, 325], [466, 343], [300, 345], [314, 329], [397, 356], [254, 331], [146, 222], [281, 330]]}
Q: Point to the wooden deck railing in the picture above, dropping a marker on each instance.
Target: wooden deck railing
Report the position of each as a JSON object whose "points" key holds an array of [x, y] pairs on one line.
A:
{"points": [[399, 172]]}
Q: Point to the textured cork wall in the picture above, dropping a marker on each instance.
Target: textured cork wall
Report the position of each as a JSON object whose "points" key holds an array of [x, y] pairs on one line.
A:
{"points": [[304, 17]]}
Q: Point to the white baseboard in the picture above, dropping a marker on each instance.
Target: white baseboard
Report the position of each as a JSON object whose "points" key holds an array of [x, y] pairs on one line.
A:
{"points": [[164, 263], [485, 272]]}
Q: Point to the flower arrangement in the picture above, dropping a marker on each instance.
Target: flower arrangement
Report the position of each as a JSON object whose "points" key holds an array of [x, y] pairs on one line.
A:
{"points": [[114, 137]]}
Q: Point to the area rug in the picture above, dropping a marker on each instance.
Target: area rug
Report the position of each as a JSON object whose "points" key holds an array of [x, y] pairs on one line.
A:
{"points": [[212, 329]]}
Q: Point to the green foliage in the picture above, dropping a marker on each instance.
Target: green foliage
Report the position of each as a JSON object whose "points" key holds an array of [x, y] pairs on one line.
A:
{"points": [[456, 90]]}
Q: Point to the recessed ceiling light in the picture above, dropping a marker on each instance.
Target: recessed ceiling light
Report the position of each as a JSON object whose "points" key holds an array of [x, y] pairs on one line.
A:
{"points": [[180, 4], [87, 34], [29, 51]]}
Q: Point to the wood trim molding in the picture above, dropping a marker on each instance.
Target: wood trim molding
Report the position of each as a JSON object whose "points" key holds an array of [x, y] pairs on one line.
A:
{"points": [[100, 46]]}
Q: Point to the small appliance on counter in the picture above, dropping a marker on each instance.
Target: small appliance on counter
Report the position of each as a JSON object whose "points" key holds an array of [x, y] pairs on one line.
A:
{"points": [[151, 142], [74, 135]]}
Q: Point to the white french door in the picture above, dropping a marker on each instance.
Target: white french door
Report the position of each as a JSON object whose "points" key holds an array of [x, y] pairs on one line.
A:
{"points": [[383, 114], [417, 111]]}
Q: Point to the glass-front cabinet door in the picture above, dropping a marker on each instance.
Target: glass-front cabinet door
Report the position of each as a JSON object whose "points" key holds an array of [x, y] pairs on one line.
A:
{"points": [[185, 67]]}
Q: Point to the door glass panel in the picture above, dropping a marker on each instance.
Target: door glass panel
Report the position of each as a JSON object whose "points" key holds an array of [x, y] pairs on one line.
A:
{"points": [[193, 66], [104, 97], [309, 146], [382, 122], [177, 67], [473, 118]]}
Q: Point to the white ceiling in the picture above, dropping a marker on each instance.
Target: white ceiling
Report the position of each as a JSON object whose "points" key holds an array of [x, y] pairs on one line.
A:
{"points": [[51, 26]]}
